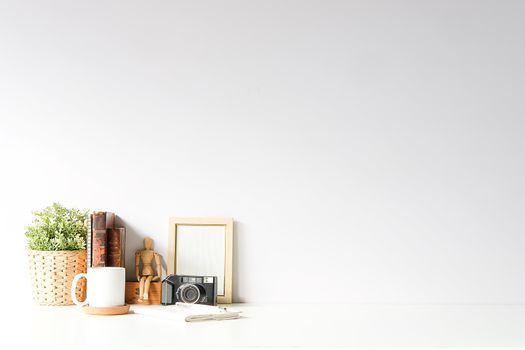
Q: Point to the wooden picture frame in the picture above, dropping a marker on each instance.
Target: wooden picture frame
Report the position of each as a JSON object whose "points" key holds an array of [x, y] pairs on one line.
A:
{"points": [[184, 231]]}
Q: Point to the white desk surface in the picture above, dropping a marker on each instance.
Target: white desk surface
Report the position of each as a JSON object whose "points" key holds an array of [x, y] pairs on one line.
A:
{"points": [[344, 325]]}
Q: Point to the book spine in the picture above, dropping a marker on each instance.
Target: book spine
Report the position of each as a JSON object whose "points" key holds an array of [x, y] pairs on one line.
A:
{"points": [[89, 234], [99, 242], [116, 246]]}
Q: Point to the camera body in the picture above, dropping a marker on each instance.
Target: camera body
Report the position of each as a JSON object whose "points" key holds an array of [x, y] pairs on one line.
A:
{"points": [[189, 289]]}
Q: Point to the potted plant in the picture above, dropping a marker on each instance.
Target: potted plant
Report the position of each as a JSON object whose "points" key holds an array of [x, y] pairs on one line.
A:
{"points": [[56, 241]]}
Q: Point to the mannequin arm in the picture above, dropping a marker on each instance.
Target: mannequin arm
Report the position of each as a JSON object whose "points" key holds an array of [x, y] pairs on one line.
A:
{"points": [[158, 265], [137, 260]]}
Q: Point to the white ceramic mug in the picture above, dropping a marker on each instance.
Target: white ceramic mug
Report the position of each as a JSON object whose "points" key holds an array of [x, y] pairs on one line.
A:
{"points": [[106, 287]]}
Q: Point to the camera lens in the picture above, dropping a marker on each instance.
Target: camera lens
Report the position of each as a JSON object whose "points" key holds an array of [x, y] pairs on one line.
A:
{"points": [[189, 293]]}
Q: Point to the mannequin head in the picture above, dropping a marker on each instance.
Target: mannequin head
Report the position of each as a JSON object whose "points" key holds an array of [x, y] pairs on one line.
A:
{"points": [[147, 243]]}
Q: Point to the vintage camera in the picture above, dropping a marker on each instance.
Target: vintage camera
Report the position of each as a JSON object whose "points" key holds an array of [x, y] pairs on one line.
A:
{"points": [[189, 289]]}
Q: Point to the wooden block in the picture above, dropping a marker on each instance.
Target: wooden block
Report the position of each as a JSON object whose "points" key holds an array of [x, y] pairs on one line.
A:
{"points": [[132, 293]]}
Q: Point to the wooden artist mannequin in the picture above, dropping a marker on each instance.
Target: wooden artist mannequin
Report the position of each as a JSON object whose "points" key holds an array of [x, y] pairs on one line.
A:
{"points": [[147, 275]]}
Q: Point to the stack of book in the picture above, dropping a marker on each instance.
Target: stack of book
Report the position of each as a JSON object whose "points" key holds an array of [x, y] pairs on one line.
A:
{"points": [[106, 244]]}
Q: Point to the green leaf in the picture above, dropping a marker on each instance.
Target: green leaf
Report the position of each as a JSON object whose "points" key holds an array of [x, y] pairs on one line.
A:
{"points": [[57, 228]]}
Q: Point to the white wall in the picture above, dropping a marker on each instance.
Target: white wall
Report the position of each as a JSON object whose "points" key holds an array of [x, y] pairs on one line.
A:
{"points": [[370, 151]]}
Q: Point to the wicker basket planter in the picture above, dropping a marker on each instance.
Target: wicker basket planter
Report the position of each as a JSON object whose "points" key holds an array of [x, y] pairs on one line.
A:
{"points": [[52, 273]]}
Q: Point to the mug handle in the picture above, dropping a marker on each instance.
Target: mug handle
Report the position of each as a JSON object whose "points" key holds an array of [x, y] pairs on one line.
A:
{"points": [[74, 290]]}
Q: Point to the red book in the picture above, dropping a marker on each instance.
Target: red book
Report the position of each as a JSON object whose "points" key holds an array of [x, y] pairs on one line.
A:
{"points": [[99, 241]]}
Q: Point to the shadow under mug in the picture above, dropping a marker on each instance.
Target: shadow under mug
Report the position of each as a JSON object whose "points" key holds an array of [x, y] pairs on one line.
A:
{"points": [[106, 287]]}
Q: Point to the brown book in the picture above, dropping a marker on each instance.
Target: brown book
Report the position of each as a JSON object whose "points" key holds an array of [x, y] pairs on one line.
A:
{"points": [[116, 246], [99, 241]]}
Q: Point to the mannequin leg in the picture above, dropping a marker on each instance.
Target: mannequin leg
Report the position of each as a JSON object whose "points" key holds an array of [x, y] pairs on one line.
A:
{"points": [[146, 287], [141, 288]]}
